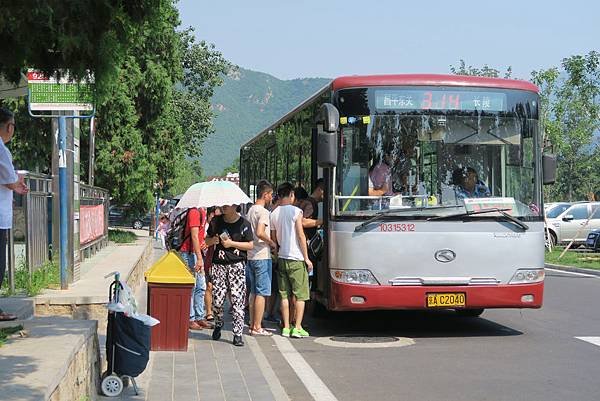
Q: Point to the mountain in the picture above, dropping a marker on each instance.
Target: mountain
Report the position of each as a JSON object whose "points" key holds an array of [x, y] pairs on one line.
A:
{"points": [[246, 103]]}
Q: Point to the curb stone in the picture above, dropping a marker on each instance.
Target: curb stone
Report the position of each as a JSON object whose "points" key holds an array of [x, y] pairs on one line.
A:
{"points": [[592, 272]]}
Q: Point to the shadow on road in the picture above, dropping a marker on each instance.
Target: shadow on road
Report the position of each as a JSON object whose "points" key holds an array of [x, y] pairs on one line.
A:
{"points": [[414, 324]]}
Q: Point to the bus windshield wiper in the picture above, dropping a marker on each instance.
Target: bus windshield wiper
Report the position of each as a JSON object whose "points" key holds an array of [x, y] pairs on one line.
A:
{"points": [[508, 217], [390, 211]]}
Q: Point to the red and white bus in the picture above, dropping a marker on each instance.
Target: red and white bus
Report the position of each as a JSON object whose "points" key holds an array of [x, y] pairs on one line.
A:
{"points": [[433, 189]]}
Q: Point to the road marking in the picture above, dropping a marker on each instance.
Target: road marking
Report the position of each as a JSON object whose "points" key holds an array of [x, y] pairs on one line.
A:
{"points": [[568, 272], [591, 340], [314, 385], [274, 384]]}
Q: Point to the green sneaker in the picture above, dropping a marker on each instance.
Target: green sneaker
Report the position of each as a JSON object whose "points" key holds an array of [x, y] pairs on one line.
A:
{"points": [[285, 332], [299, 333]]}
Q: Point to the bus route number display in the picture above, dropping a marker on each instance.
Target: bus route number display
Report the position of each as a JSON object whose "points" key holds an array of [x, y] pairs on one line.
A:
{"points": [[412, 99]]}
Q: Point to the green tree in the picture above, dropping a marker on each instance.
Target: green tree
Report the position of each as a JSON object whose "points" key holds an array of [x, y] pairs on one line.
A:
{"points": [[485, 71], [571, 116], [31, 146], [80, 35]]}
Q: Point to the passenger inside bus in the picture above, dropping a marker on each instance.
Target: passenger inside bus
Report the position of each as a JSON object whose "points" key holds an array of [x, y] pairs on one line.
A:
{"points": [[468, 185], [380, 176]]}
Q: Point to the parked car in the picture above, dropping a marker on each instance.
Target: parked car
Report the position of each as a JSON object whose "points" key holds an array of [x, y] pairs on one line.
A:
{"points": [[552, 210], [593, 240], [124, 216], [568, 224]]}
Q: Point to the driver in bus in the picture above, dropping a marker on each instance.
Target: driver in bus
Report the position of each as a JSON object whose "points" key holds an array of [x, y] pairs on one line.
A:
{"points": [[468, 185]]}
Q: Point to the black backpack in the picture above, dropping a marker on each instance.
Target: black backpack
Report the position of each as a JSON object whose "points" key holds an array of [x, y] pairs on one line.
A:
{"points": [[176, 235]]}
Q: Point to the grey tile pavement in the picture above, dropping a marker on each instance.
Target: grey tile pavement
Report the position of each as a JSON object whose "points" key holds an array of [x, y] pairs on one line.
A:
{"points": [[208, 371]]}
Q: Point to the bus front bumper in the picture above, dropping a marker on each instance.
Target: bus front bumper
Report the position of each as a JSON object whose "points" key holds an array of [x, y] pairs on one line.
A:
{"points": [[348, 297]]}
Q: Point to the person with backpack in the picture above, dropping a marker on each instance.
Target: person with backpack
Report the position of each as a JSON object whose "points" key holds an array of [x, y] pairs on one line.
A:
{"points": [[232, 237], [191, 252]]}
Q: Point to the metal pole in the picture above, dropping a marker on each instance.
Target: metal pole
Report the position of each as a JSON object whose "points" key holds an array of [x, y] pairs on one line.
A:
{"points": [[92, 150], [11, 260], [156, 212], [62, 193]]}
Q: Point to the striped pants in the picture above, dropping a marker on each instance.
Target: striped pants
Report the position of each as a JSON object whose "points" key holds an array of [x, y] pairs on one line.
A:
{"points": [[230, 278]]}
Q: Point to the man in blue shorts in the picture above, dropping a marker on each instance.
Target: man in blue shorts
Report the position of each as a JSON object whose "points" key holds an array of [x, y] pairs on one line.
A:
{"points": [[259, 267]]}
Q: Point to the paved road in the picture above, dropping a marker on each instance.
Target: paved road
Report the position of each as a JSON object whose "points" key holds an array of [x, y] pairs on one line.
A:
{"points": [[503, 355]]}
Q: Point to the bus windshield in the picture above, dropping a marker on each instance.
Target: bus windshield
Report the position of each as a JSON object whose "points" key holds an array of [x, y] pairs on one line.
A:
{"points": [[416, 149]]}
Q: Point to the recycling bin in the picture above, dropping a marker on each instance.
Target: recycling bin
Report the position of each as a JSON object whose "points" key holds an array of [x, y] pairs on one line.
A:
{"points": [[170, 285]]}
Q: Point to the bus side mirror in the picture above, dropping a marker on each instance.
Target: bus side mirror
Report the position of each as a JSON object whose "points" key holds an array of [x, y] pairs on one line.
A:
{"points": [[329, 119], [549, 168]]}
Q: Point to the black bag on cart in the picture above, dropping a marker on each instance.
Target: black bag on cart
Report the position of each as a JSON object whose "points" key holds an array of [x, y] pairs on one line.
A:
{"points": [[130, 340]]}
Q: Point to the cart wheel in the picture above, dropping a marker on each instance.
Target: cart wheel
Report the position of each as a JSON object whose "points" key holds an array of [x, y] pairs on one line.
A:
{"points": [[112, 386]]}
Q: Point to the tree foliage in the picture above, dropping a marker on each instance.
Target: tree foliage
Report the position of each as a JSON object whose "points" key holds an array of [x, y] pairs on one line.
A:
{"points": [[31, 147], [571, 116], [78, 35], [485, 71], [153, 86]]}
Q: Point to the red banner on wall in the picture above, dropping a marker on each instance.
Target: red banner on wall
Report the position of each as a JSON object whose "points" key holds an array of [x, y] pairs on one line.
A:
{"points": [[91, 223]]}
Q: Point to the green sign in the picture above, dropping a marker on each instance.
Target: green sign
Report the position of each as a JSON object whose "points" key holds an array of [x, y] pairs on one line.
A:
{"points": [[50, 94]]}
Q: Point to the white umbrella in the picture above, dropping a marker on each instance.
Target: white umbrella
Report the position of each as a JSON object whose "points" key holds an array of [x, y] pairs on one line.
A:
{"points": [[213, 193]]}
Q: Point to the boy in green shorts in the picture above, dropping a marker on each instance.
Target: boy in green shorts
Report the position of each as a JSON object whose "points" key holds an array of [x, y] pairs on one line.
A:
{"points": [[293, 261]]}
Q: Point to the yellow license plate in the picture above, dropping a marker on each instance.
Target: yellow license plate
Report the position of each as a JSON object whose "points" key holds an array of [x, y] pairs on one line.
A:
{"points": [[446, 299]]}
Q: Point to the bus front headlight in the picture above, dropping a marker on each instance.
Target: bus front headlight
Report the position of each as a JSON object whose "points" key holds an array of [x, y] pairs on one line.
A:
{"points": [[362, 277], [527, 276]]}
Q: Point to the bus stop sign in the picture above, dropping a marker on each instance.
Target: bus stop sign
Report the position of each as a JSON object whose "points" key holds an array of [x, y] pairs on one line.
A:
{"points": [[52, 94]]}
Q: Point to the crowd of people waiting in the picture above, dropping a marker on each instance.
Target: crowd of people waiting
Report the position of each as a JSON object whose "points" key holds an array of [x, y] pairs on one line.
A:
{"points": [[256, 261]]}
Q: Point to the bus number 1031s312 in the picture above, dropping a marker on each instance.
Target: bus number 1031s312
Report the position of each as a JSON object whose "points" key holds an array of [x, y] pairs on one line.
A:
{"points": [[395, 227]]}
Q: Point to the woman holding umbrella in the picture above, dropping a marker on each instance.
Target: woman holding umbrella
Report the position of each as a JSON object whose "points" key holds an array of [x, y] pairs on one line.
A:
{"points": [[232, 236]]}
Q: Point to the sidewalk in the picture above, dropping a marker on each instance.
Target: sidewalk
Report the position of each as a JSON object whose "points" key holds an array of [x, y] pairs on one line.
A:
{"points": [[209, 370], [56, 357]]}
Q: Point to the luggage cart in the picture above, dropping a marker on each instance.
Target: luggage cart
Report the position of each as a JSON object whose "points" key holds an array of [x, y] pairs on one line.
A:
{"points": [[127, 346]]}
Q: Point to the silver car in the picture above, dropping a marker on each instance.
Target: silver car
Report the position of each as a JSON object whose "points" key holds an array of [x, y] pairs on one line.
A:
{"points": [[573, 224]]}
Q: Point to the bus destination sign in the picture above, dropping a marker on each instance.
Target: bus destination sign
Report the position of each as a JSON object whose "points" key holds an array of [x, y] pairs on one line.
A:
{"points": [[48, 93], [414, 99]]}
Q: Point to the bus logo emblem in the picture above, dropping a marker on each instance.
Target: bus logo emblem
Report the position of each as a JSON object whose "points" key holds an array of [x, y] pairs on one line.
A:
{"points": [[445, 255]]}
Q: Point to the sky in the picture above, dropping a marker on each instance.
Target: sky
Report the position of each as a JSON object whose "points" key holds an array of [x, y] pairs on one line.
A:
{"points": [[330, 38]]}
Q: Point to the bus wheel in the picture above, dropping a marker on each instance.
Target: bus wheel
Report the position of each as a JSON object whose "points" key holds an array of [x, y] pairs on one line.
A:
{"points": [[469, 312]]}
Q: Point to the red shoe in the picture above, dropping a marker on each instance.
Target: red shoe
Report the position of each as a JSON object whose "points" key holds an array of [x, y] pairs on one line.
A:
{"points": [[204, 324], [195, 326]]}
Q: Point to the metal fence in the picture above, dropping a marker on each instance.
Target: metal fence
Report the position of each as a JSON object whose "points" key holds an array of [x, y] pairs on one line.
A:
{"points": [[93, 197], [32, 222], [30, 240]]}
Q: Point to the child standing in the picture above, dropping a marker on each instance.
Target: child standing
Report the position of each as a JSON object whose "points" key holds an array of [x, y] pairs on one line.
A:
{"points": [[163, 226]]}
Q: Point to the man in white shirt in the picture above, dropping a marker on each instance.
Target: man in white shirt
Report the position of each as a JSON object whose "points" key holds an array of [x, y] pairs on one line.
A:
{"points": [[293, 261], [9, 182], [259, 267]]}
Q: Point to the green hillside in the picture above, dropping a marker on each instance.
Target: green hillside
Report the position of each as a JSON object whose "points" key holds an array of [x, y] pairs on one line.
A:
{"points": [[246, 103]]}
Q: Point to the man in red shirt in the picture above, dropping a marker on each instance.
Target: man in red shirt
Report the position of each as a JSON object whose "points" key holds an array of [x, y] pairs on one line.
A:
{"points": [[191, 252]]}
